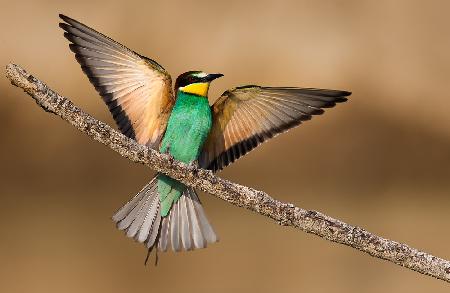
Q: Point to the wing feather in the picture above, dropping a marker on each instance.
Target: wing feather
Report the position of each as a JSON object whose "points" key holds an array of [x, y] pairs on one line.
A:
{"points": [[247, 116], [136, 89]]}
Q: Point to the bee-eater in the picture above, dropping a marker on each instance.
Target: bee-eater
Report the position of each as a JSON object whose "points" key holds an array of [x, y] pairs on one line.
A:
{"points": [[138, 92]]}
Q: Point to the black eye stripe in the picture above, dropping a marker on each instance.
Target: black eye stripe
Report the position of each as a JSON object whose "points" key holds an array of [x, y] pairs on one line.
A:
{"points": [[188, 78]]}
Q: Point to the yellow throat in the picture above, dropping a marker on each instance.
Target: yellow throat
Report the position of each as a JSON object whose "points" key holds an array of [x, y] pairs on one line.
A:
{"points": [[199, 88]]}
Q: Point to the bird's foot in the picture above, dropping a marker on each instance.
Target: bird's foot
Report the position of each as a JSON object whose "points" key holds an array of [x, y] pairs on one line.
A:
{"points": [[171, 158], [168, 154], [193, 166]]}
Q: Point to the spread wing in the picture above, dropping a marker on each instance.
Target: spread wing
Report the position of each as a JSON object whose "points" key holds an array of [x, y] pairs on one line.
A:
{"points": [[245, 117], [137, 90]]}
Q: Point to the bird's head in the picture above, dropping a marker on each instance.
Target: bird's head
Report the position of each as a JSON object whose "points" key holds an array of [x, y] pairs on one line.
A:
{"points": [[195, 82]]}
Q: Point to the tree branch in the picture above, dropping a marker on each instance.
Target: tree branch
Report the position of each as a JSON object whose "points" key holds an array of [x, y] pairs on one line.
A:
{"points": [[284, 213]]}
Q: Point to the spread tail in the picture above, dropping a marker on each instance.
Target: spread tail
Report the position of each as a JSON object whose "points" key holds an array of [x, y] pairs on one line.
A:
{"points": [[185, 227]]}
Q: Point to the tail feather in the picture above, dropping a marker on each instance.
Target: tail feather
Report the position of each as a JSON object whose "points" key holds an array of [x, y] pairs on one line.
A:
{"points": [[140, 217], [196, 232], [143, 212], [164, 235], [188, 225], [184, 228], [154, 233], [185, 231], [207, 230], [174, 227], [149, 221], [131, 205]]}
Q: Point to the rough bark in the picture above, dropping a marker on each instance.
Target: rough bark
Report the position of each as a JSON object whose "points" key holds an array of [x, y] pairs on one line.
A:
{"points": [[285, 214]]}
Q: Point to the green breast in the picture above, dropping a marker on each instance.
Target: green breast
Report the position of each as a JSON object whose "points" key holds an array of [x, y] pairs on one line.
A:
{"points": [[187, 129]]}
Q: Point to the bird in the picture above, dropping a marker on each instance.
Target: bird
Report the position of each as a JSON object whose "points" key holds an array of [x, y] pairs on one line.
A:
{"points": [[179, 121]]}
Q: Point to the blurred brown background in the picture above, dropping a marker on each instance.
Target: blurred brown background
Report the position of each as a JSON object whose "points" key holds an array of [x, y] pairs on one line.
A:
{"points": [[380, 161]]}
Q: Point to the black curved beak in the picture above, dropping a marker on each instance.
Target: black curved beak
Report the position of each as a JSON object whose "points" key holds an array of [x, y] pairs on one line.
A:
{"points": [[212, 76]]}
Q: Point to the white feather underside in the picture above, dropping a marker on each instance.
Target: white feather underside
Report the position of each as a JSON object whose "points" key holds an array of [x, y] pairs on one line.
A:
{"points": [[185, 228]]}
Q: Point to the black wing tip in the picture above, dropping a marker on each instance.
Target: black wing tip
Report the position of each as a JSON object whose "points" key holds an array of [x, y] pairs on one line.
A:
{"points": [[341, 99], [332, 103], [343, 96], [337, 96], [346, 93], [318, 111], [67, 19], [66, 27]]}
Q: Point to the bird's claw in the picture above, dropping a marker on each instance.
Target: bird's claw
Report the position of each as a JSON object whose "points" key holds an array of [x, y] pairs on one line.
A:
{"points": [[168, 154], [192, 166], [170, 157]]}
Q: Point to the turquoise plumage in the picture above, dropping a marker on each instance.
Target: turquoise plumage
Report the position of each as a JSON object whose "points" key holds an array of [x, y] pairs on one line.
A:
{"points": [[187, 129]]}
